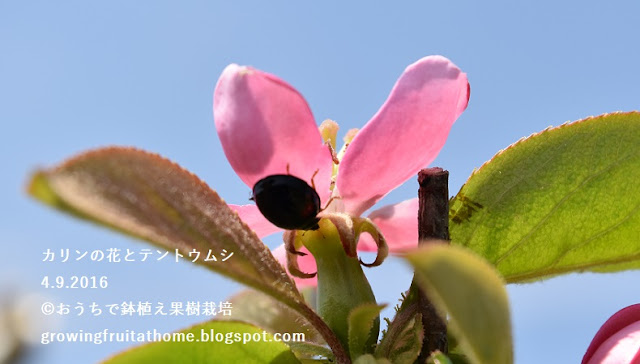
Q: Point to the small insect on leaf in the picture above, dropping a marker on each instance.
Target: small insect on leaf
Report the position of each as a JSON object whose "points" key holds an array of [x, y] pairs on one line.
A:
{"points": [[287, 202], [462, 208]]}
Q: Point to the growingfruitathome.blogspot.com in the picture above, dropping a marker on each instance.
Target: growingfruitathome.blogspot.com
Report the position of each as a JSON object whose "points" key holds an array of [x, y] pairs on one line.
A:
{"points": [[106, 336]]}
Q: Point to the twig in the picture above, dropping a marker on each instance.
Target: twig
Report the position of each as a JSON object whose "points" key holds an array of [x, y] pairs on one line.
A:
{"points": [[433, 223]]}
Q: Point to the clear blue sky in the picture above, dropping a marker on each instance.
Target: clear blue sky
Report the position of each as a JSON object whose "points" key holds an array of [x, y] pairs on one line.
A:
{"points": [[76, 75]]}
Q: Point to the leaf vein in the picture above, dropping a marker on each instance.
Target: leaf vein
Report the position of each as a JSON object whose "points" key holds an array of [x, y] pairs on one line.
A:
{"points": [[509, 188], [557, 206], [577, 267], [597, 235]]}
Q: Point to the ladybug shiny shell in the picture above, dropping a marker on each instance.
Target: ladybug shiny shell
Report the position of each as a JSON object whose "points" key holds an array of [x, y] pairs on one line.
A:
{"points": [[287, 202]]}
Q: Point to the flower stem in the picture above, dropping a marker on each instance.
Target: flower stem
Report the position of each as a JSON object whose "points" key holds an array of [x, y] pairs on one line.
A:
{"points": [[342, 285], [433, 223], [341, 355]]}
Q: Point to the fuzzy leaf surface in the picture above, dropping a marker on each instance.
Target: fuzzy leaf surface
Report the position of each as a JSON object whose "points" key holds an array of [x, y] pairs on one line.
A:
{"points": [[212, 352], [146, 196], [468, 291], [566, 199]]}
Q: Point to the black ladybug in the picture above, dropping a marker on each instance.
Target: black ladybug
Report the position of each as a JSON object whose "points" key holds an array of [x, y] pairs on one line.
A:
{"points": [[287, 202]]}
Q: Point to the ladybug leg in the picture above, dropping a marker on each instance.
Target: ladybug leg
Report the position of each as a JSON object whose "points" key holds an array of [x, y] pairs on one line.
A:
{"points": [[329, 202], [288, 169], [313, 185]]}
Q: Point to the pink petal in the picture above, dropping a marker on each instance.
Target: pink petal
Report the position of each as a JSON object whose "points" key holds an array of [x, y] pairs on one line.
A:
{"points": [[405, 135], [619, 337], [264, 125], [398, 224], [621, 348], [307, 264], [252, 217]]}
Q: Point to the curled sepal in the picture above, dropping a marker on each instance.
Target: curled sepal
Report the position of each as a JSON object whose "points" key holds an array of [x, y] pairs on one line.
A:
{"points": [[364, 225], [349, 229], [290, 237], [345, 227]]}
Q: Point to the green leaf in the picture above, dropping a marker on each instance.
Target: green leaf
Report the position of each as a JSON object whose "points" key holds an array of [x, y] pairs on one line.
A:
{"points": [[455, 353], [438, 358], [370, 359], [403, 339], [233, 348], [362, 321], [316, 353], [458, 358], [148, 197], [564, 200], [267, 313], [467, 290]]}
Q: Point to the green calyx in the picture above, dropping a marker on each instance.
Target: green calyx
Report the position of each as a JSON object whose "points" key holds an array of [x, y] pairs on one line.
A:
{"points": [[342, 285]]}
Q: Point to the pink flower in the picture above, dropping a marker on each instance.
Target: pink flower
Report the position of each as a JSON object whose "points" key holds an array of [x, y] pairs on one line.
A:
{"points": [[618, 340], [265, 125]]}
